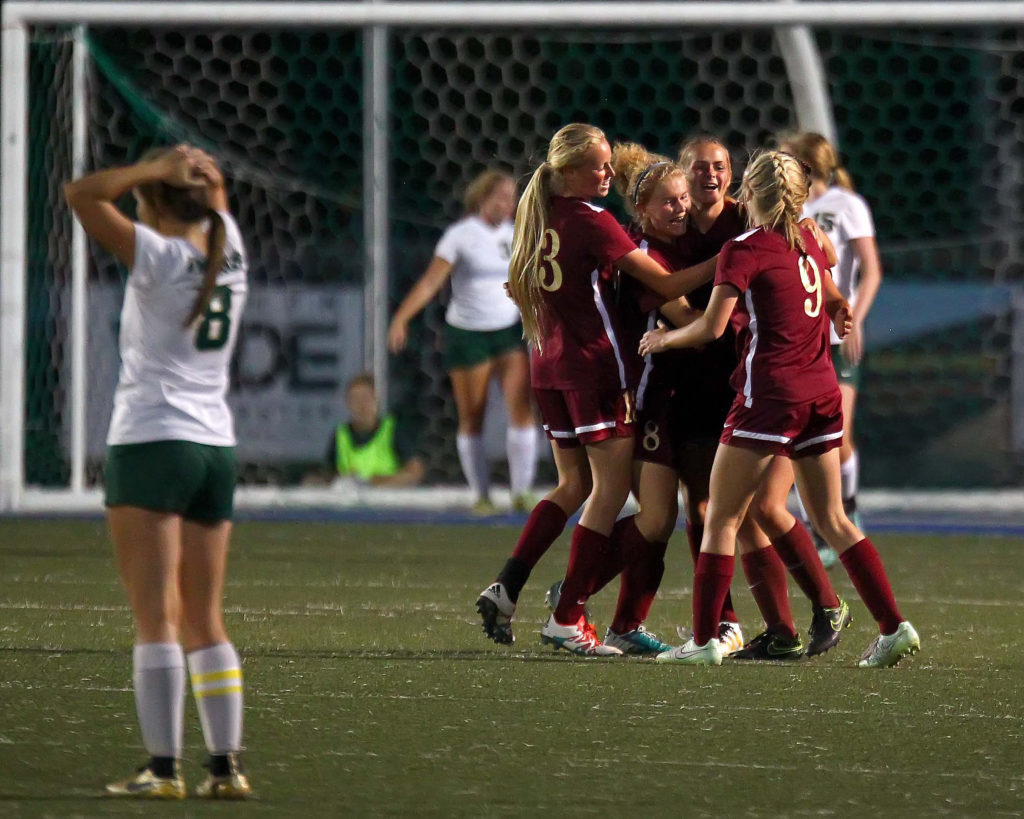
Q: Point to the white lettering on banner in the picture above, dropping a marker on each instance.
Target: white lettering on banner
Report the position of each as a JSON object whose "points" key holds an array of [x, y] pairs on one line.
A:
{"points": [[297, 347]]}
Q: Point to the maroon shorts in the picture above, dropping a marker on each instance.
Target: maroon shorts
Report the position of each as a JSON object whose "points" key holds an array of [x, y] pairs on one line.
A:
{"points": [[575, 417], [793, 430], [653, 438]]}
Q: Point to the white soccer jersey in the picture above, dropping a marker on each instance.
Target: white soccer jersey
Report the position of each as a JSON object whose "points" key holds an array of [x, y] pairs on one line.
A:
{"points": [[479, 254], [843, 215], [174, 380]]}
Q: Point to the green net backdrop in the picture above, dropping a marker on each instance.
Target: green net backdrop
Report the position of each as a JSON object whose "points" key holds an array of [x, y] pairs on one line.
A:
{"points": [[929, 124]]}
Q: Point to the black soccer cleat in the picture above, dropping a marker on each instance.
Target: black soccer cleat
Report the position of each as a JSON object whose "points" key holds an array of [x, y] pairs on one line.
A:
{"points": [[827, 627], [496, 610], [773, 647]]}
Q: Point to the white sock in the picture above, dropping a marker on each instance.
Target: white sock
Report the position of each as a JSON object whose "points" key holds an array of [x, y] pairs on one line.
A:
{"points": [[521, 450], [217, 686], [159, 680], [849, 472], [473, 459]]}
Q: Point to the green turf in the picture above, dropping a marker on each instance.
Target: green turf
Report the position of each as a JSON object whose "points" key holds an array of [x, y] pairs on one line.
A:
{"points": [[370, 690]]}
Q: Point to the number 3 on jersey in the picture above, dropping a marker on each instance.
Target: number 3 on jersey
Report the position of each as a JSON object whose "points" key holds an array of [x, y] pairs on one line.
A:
{"points": [[214, 329], [810, 278], [550, 271]]}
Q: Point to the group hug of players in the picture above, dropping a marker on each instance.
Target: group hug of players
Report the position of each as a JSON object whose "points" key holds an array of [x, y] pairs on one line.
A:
{"points": [[693, 349]]}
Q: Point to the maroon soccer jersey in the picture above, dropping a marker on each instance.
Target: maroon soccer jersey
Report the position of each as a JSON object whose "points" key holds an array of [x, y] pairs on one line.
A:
{"points": [[640, 313], [582, 346], [780, 319], [701, 376]]}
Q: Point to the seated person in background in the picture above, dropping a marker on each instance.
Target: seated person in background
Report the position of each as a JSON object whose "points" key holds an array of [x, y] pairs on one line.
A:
{"points": [[370, 447]]}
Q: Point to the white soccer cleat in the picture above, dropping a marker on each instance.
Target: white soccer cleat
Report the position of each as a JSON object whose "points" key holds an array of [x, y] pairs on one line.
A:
{"points": [[693, 654], [496, 611], [888, 649], [730, 638], [579, 638]]}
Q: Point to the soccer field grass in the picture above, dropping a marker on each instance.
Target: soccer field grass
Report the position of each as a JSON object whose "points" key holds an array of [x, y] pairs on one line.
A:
{"points": [[371, 691]]}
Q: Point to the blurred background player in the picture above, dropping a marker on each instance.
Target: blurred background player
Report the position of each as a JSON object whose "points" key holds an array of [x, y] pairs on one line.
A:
{"points": [[562, 276], [846, 219], [370, 447], [170, 470], [483, 336], [787, 402]]}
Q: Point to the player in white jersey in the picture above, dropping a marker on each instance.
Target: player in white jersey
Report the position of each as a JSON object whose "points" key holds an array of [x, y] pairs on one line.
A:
{"points": [[170, 469], [846, 219], [483, 337]]}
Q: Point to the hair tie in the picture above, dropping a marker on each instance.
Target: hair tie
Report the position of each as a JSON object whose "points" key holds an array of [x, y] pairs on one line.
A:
{"points": [[641, 178]]}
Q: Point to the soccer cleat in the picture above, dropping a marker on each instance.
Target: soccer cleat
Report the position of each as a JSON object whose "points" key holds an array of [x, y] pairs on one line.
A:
{"points": [[147, 785], [827, 626], [554, 594], [523, 503], [579, 638], [639, 641], [888, 649], [774, 647], [232, 783], [693, 654], [483, 508], [730, 638], [496, 610]]}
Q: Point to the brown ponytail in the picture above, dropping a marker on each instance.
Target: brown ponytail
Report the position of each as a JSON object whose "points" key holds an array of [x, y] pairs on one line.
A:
{"points": [[214, 262]]}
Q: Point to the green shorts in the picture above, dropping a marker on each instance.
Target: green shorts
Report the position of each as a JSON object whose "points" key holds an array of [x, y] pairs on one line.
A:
{"points": [[196, 481], [467, 348], [846, 372]]}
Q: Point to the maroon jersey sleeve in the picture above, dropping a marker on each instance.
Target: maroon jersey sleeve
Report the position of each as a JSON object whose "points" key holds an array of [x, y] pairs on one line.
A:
{"points": [[737, 265], [607, 239]]}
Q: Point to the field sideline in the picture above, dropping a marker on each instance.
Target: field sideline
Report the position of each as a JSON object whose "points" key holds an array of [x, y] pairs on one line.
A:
{"points": [[371, 691]]}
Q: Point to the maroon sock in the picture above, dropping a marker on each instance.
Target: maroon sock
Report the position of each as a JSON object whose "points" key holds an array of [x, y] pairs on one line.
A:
{"points": [[865, 568], [766, 577], [615, 560], [801, 559], [588, 553], [710, 585], [641, 578], [694, 536], [545, 524]]}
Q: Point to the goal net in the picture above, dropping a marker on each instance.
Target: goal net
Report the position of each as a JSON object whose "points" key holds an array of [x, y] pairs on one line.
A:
{"points": [[928, 121]]}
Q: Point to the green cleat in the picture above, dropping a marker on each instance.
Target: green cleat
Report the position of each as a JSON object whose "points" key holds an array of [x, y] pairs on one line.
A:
{"points": [[639, 641], [771, 647]]}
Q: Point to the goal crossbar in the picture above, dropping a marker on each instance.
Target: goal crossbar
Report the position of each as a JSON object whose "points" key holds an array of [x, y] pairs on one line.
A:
{"points": [[591, 14]]}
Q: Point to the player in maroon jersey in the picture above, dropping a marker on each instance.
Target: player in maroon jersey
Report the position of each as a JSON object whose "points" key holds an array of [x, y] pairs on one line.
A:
{"points": [[703, 399], [564, 257], [787, 402]]}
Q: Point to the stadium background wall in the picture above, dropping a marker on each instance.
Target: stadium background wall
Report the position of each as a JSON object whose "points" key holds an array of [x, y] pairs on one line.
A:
{"points": [[930, 125]]}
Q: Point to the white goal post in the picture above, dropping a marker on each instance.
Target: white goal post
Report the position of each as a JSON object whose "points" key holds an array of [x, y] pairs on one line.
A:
{"points": [[790, 19]]}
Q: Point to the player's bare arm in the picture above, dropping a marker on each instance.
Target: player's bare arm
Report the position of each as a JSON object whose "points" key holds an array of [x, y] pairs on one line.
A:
{"points": [[706, 328]]}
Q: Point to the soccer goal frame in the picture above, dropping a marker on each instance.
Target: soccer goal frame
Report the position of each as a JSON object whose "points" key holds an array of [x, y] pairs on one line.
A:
{"points": [[789, 19]]}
